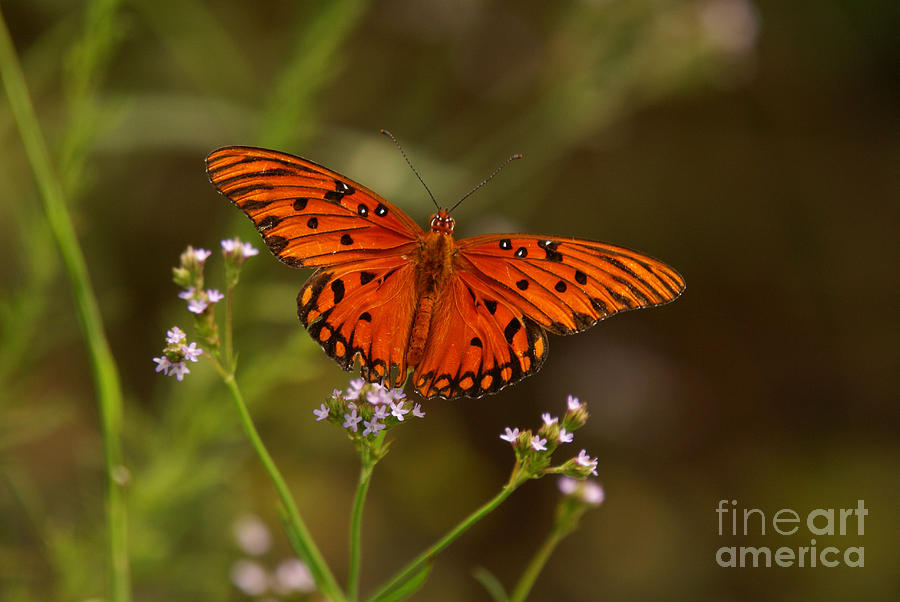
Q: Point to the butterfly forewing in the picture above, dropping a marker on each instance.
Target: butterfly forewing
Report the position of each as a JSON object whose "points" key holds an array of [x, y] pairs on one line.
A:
{"points": [[568, 284], [307, 214]]}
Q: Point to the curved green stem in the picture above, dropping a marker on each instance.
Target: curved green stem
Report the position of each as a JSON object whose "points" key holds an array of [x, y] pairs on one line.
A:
{"points": [[359, 500], [428, 555], [534, 568], [305, 546], [105, 374]]}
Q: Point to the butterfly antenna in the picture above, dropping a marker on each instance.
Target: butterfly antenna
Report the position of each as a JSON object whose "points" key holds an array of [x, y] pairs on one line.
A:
{"points": [[408, 162], [486, 180]]}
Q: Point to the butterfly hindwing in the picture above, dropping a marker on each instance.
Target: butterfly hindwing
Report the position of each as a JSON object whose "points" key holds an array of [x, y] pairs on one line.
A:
{"points": [[307, 214], [565, 284], [363, 309], [478, 343]]}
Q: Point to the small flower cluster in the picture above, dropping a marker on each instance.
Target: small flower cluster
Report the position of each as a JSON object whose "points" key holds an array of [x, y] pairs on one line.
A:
{"points": [[235, 250], [188, 274], [250, 576], [176, 354], [578, 497], [200, 301], [376, 407], [235, 253], [533, 450], [587, 491]]}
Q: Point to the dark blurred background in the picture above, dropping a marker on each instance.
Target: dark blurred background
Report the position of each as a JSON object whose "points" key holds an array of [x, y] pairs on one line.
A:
{"points": [[752, 145]]}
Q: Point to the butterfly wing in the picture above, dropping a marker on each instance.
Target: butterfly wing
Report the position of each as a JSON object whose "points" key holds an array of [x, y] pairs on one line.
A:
{"points": [[479, 342], [309, 215], [490, 326], [567, 284], [361, 300], [365, 309]]}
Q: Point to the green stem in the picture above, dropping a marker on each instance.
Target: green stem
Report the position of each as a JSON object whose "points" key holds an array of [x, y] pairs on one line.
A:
{"points": [[105, 374], [534, 568], [306, 547], [229, 346], [429, 554], [365, 476]]}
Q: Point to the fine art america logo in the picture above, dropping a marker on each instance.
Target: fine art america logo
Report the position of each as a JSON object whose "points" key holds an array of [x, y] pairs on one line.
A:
{"points": [[735, 521]]}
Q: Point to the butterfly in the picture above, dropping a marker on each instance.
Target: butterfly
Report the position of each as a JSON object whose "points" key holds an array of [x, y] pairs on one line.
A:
{"points": [[469, 316]]}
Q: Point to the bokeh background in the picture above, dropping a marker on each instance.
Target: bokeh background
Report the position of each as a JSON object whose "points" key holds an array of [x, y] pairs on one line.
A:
{"points": [[752, 145]]}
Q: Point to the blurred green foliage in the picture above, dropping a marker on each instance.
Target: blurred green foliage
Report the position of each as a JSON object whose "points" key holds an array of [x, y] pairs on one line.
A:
{"points": [[752, 146]]}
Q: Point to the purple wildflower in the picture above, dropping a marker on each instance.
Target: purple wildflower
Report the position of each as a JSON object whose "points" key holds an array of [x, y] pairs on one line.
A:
{"points": [[351, 420], [511, 435], [371, 427], [321, 413]]}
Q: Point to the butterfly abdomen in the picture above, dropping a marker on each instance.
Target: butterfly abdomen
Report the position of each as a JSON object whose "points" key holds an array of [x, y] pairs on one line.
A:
{"points": [[421, 326], [434, 266]]}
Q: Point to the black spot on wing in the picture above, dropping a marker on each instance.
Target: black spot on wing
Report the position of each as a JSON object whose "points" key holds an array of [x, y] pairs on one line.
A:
{"points": [[511, 329], [365, 316], [381, 210], [337, 287], [560, 287], [491, 305], [341, 190], [582, 320], [316, 282], [600, 306], [346, 239], [365, 277], [312, 223], [522, 284], [300, 204], [552, 254], [580, 277], [475, 342], [276, 243], [270, 221]]}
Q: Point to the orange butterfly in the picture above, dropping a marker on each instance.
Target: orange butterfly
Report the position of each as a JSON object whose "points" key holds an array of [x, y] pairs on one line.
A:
{"points": [[470, 316]]}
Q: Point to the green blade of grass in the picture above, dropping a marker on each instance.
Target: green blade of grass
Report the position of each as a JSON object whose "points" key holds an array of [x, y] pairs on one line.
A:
{"points": [[105, 374]]}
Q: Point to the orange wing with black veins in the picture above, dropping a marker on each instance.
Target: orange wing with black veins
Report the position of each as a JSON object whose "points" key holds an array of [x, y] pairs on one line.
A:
{"points": [[361, 300], [489, 329], [308, 215]]}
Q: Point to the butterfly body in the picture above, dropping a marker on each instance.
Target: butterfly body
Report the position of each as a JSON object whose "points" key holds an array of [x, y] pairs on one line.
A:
{"points": [[469, 317], [434, 268]]}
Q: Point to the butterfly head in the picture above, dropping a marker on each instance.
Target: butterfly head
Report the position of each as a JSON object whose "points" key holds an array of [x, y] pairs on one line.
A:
{"points": [[442, 222]]}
